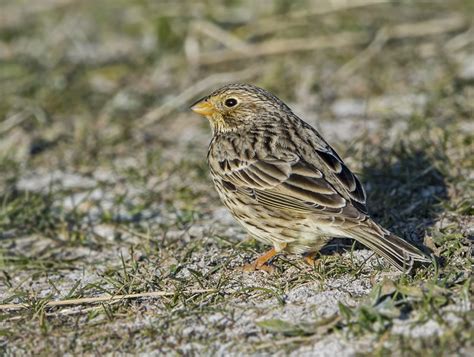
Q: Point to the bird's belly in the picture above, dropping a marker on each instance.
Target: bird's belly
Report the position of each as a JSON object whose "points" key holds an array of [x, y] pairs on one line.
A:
{"points": [[291, 231]]}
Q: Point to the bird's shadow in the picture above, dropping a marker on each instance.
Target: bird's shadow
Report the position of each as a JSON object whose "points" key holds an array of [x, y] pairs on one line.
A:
{"points": [[404, 193]]}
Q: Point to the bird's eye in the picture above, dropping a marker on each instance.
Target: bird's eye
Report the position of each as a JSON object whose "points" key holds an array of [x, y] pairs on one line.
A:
{"points": [[231, 102]]}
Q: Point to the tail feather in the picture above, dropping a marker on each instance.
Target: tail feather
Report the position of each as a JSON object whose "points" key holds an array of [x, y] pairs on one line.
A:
{"points": [[401, 254]]}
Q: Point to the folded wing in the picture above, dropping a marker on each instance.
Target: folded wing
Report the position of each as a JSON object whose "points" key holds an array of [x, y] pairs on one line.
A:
{"points": [[291, 183]]}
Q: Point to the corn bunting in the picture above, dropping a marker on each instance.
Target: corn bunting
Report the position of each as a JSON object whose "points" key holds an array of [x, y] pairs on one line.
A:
{"points": [[283, 182]]}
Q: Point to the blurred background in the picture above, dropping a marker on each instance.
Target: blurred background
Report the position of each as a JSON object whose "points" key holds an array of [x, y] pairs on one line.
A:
{"points": [[88, 79], [102, 162]]}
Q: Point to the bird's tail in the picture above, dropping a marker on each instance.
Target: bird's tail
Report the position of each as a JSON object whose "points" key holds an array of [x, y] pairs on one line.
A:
{"points": [[401, 254]]}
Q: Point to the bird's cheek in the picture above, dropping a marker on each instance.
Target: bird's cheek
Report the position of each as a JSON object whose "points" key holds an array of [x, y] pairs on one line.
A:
{"points": [[216, 120]]}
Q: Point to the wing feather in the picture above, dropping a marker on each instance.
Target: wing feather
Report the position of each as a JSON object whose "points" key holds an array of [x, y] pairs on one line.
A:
{"points": [[290, 183]]}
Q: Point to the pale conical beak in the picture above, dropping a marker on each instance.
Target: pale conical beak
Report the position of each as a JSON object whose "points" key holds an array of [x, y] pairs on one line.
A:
{"points": [[204, 108]]}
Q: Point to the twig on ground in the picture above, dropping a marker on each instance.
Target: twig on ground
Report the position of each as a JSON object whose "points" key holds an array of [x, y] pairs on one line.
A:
{"points": [[67, 311], [191, 92], [106, 299]]}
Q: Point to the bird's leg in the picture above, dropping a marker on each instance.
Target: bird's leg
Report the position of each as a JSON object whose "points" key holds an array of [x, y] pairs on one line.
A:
{"points": [[259, 263], [310, 259]]}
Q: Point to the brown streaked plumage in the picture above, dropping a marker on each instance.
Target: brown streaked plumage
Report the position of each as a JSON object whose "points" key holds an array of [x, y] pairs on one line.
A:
{"points": [[284, 183]]}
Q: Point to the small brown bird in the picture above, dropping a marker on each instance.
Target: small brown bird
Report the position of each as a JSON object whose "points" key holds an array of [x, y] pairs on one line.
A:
{"points": [[284, 183]]}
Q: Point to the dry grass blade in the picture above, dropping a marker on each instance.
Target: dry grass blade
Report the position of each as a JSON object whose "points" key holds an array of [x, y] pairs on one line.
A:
{"points": [[92, 300]]}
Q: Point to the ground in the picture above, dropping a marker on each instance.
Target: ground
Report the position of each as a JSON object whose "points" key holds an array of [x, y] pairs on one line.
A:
{"points": [[105, 190]]}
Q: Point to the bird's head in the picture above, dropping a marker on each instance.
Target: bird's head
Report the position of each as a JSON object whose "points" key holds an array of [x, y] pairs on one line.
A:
{"points": [[238, 105]]}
